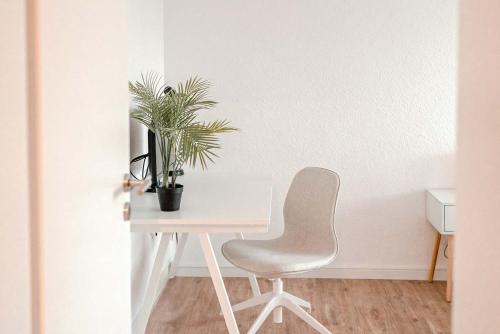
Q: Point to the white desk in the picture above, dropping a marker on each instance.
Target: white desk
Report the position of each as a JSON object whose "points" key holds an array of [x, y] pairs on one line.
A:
{"points": [[441, 214], [211, 203]]}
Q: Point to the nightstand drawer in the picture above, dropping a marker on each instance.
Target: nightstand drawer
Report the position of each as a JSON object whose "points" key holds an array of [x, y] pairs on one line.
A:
{"points": [[449, 218], [441, 211]]}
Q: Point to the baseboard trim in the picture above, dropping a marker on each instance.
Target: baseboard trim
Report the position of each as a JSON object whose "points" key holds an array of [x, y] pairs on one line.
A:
{"points": [[341, 273]]}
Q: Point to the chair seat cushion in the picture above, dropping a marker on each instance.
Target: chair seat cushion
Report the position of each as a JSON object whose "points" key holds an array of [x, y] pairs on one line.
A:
{"points": [[274, 258]]}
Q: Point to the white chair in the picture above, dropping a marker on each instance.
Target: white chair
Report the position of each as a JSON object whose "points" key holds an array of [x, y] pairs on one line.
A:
{"points": [[308, 242]]}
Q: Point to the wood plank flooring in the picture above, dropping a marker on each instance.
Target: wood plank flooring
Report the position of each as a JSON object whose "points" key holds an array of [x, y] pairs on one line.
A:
{"points": [[189, 305]]}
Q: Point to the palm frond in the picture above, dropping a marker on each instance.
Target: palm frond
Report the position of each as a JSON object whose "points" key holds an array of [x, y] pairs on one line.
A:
{"points": [[200, 140]]}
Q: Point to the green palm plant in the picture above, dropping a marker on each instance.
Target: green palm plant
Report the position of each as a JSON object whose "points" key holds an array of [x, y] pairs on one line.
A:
{"points": [[172, 116]]}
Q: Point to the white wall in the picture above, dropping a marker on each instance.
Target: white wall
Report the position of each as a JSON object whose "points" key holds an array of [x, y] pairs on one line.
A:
{"points": [[366, 88], [15, 287], [146, 53], [477, 293]]}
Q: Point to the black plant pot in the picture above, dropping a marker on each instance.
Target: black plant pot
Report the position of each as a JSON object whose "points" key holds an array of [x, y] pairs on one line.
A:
{"points": [[170, 198]]}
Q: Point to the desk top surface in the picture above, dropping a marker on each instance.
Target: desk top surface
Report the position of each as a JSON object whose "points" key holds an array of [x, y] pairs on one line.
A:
{"points": [[211, 202]]}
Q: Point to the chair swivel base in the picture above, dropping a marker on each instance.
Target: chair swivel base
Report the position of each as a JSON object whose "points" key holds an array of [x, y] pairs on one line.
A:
{"points": [[275, 301]]}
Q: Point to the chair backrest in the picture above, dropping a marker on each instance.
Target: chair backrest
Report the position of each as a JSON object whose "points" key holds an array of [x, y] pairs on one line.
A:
{"points": [[309, 211]]}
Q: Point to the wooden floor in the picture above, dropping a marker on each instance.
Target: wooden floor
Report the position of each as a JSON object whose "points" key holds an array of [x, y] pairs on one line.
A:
{"points": [[189, 305]]}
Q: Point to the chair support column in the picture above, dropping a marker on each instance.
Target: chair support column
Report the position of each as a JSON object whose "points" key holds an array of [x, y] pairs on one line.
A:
{"points": [[278, 311], [251, 276]]}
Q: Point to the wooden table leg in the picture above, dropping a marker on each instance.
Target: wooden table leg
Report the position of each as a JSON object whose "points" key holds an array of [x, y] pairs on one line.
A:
{"points": [[437, 242], [254, 284], [449, 282], [153, 281], [220, 289], [178, 253]]}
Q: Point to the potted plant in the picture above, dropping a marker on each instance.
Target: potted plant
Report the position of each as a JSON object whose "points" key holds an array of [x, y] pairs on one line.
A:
{"points": [[182, 138]]}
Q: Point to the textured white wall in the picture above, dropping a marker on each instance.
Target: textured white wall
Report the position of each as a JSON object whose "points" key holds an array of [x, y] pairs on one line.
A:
{"points": [[366, 88], [145, 53]]}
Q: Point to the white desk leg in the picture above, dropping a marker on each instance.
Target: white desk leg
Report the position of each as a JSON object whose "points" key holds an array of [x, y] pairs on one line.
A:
{"points": [[178, 253], [213, 267], [251, 277], [154, 279]]}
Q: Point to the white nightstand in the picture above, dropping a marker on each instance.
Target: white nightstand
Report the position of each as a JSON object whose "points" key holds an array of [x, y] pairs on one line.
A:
{"points": [[441, 213]]}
